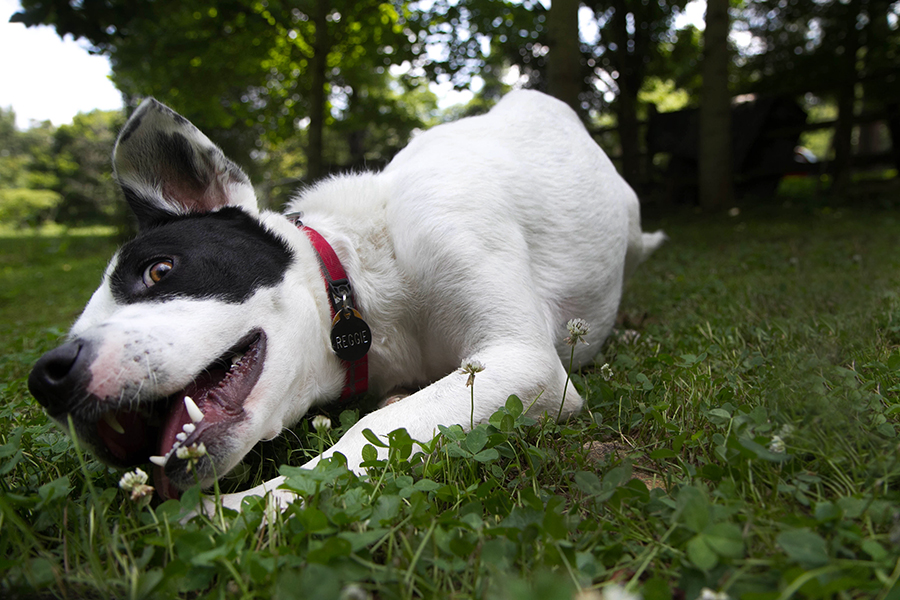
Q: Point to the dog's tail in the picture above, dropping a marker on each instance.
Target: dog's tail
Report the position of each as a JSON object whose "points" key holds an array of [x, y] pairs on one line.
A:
{"points": [[650, 242], [640, 247]]}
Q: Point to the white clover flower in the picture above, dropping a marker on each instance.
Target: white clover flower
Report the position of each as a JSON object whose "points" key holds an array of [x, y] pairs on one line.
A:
{"points": [[617, 592], [606, 372], [471, 366], [354, 591], [131, 479], [136, 483], [629, 336], [191, 453], [321, 423], [708, 594], [578, 328], [610, 592], [777, 445]]}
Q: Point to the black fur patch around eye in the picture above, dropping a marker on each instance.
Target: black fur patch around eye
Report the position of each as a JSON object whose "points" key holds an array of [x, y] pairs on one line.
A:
{"points": [[225, 255]]}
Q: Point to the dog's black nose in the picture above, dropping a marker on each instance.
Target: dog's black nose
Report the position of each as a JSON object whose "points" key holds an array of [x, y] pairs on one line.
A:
{"points": [[60, 375]]}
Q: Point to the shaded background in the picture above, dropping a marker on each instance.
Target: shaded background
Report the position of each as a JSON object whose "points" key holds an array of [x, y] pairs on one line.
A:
{"points": [[762, 97]]}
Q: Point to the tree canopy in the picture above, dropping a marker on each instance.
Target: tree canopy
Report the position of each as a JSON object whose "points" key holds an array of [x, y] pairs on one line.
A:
{"points": [[295, 89], [60, 173]]}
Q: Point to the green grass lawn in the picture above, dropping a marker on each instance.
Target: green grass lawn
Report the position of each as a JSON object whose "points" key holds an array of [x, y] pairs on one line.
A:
{"points": [[742, 439]]}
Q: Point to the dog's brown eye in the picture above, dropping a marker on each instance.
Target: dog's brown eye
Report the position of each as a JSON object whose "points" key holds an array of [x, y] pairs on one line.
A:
{"points": [[157, 271]]}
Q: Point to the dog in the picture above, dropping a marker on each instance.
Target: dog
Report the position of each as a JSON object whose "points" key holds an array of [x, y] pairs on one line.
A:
{"points": [[221, 324]]}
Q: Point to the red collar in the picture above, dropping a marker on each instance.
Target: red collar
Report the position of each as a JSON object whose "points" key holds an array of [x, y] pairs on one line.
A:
{"points": [[350, 336]]}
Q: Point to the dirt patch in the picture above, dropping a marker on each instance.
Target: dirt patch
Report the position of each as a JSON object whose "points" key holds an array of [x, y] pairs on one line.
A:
{"points": [[643, 468]]}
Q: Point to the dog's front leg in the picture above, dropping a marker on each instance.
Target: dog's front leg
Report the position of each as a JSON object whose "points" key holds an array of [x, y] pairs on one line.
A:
{"points": [[270, 492], [536, 378]]}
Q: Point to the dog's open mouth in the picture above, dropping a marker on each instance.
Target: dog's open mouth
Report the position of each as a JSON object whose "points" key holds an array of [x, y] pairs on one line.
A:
{"points": [[174, 431]]}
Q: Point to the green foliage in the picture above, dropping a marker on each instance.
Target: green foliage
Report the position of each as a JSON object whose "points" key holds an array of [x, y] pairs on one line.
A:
{"points": [[821, 46], [344, 79], [250, 74], [742, 437], [61, 174], [483, 38], [26, 207], [292, 91], [26, 179], [664, 95], [81, 164]]}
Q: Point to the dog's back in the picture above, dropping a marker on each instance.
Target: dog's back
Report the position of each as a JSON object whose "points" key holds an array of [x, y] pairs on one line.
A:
{"points": [[520, 198]]}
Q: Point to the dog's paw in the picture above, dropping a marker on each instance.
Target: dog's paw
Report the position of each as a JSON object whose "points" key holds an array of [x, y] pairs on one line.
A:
{"points": [[395, 395]]}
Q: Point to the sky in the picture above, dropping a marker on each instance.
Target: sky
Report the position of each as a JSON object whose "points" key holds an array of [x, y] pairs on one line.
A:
{"points": [[43, 77]]}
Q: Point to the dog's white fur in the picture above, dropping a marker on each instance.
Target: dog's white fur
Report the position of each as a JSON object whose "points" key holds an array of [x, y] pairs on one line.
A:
{"points": [[479, 241]]}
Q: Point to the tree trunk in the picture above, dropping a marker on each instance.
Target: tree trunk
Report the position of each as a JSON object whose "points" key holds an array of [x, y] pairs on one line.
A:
{"points": [[564, 59], [842, 140], [629, 64], [716, 176], [319, 81], [629, 134], [893, 109]]}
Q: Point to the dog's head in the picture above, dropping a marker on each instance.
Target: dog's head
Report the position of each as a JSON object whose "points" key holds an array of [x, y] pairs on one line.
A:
{"points": [[208, 302]]}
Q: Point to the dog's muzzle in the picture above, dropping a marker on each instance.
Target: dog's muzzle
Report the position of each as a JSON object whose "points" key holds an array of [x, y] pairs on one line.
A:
{"points": [[138, 425]]}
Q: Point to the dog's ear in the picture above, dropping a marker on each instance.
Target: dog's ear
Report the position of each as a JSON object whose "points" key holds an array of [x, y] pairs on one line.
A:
{"points": [[166, 167]]}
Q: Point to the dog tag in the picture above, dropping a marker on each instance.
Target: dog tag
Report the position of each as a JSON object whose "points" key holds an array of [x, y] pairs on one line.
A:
{"points": [[350, 335]]}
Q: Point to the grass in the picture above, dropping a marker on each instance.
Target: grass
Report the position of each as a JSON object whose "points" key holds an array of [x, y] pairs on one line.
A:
{"points": [[742, 439]]}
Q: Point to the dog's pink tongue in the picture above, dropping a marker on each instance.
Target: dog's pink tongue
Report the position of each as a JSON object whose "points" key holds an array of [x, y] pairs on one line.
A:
{"points": [[174, 424]]}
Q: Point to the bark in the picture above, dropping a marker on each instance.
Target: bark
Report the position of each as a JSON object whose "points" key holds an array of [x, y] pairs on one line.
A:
{"points": [[630, 67], [319, 81], [629, 133], [716, 174], [894, 127], [842, 141], [564, 59]]}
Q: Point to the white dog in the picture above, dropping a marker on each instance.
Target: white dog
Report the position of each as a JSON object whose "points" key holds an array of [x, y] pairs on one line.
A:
{"points": [[221, 325]]}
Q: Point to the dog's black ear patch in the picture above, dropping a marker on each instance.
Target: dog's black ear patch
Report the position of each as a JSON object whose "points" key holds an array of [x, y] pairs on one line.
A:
{"points": [[225, 255]]}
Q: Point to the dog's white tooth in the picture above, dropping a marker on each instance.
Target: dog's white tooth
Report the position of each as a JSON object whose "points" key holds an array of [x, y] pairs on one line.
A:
{"points": [[188, 428], [181, 436], [193, 411], [236, 359], [110, 419], [160, 461]]}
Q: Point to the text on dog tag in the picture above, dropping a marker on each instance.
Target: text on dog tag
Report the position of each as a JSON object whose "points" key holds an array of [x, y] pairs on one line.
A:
{"points": [[350, 335]]}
